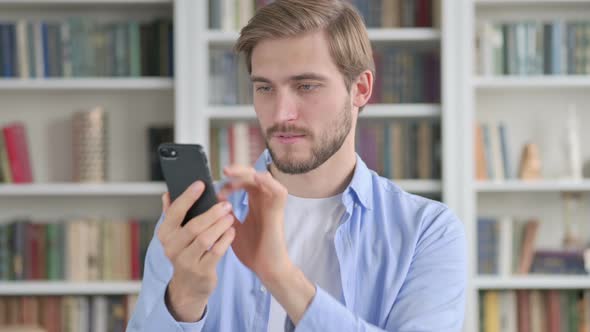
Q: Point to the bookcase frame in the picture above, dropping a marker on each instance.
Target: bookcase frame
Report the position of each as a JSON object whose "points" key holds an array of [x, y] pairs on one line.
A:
{"points": [[494, 97], [192, 116]]}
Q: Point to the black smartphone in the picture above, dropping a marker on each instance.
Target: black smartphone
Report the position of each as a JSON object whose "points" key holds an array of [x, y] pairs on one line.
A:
{"points": [[182, 165]]}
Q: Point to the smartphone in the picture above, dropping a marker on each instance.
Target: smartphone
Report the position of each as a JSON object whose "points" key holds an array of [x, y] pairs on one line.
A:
{"points": [[182, 165]]}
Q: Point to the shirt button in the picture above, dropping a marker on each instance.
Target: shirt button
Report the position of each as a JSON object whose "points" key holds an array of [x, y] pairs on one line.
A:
{"points": [[263, 289]]}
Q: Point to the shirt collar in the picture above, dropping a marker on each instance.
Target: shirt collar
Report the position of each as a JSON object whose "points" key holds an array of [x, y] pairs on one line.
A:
{"points": [[359, 189]]}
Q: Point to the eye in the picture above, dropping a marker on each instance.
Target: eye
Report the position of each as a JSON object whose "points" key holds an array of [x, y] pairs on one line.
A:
{"points": [[263, 89], [307, 87]]}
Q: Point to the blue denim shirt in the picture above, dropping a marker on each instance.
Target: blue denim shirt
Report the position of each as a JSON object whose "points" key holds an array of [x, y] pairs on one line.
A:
{"points": [[402, 260]]}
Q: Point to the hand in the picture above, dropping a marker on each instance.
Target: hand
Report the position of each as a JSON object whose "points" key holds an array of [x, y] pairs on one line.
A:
{"points": [[194, 251], [260, 240]]}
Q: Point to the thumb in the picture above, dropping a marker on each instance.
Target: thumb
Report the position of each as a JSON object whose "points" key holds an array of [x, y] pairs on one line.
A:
{"points": [[165, 201]]}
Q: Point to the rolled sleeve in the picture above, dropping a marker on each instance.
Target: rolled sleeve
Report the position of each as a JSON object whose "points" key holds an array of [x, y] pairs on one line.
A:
{"points": [[327, 314], [161, 320]]}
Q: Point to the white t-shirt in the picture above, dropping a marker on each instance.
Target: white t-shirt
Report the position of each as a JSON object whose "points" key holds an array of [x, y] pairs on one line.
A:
{"points": [[310, 225]]}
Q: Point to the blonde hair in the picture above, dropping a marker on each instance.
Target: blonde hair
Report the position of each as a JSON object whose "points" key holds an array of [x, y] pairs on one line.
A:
{"points": [[348, 40]]}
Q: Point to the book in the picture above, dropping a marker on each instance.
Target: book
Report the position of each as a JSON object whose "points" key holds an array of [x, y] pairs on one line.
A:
{"points": [[64, 313], [17, 152], [53, 250], [82, 47], [558, 262], [526, 48], [528, 246]]}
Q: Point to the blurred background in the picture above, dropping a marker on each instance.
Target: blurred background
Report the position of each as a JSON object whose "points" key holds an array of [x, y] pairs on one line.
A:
{"points": [[480, 104]]}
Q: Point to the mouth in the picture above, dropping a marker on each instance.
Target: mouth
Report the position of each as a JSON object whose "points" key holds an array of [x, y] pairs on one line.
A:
{"points": [[288, 138]]}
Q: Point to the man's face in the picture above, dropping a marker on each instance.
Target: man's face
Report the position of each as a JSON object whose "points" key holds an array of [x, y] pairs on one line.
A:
{"points": [[301, 101]]}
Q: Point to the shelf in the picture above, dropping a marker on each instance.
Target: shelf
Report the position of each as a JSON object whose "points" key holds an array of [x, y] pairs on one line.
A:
{"points": [[420, 186], [87, 84], [532, 186], [533, 282], [529, 2], [404, 34], [533, 82], [399, 34], [84, 189], [401, 111], [246, 112], [84, 2], [69, 288]]}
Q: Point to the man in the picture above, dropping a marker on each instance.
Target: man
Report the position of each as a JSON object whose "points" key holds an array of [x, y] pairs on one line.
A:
{"points": [[312, 239]]}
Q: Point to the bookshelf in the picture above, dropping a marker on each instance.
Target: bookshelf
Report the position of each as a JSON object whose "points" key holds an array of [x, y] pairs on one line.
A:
{"points": [[38, 288], [532, 282], [214, 115], [90, 84], [533, 107], [385, 34], [45, 105], [84, 2], [528, 2], [75, 189], [136, 103], [540, 186], [559, 82], [246, 112]]}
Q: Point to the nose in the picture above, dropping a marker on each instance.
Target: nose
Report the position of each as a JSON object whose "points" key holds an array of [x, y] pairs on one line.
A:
{"points": [[285, 107]]}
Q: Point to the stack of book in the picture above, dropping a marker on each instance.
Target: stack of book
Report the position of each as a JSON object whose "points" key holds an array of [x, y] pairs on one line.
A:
{"points": [[402, 76], [534, 310], [231, 15], [492, 157], [405, 76], [401, 149], [80, 47], [534, 48], [238, 143], [507, 246], [398, 13], [79, 249], [68, 313]]}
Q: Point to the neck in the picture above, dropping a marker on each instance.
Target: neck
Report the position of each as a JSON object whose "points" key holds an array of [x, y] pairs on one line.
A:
{"points": [[329, 179]]}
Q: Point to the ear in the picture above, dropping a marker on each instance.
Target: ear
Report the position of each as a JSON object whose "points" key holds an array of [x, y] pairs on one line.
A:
{"points": [[362, 89]]}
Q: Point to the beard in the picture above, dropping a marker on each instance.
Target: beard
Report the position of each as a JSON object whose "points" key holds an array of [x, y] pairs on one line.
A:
{"points": [[328, 142]]}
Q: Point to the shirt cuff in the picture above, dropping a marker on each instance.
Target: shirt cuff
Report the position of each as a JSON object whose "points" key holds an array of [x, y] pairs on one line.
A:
{"points": [[162, 320], [325, 313]]}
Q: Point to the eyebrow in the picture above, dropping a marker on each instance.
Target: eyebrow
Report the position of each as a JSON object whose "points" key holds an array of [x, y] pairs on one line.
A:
{"points": [[300, 77]]}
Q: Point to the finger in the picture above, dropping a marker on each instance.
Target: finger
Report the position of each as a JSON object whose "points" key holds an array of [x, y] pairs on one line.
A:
{"points": [[212, 257], [208, 237], [182, 237], [232, 170], [266, 181], [237, 184], [165, 201], [200, 223], [177, 210]]}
